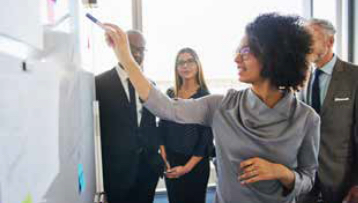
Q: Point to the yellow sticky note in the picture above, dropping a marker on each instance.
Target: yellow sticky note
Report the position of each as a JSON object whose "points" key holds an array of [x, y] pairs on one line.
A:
{"points": [[28, 199]]}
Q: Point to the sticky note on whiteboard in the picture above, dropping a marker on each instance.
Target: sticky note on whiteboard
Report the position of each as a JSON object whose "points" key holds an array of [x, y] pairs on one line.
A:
{"points": [[28, 199], [81, 179]]}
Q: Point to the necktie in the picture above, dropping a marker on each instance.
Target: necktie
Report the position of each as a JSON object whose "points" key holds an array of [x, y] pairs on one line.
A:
{"points": [[133, 101], [316, 99]]}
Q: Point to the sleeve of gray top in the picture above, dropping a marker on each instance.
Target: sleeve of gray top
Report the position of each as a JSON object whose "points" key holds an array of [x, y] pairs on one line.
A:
{"points": [[308, 157], [195, 111]]}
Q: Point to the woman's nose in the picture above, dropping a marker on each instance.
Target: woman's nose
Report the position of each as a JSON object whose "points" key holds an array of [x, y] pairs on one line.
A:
{"points": [[238, 58]]}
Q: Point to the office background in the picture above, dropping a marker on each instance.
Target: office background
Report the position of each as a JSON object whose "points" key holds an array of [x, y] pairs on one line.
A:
{"points": [[50, 53]]}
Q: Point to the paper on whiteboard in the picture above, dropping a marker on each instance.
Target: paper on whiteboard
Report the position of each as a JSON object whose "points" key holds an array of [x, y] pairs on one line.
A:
{"points": [[55, 10], [28, 130], [21, 20]]}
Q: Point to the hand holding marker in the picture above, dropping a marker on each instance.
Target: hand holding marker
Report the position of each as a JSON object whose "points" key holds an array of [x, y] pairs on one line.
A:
{"points": [[93, 19], [101, 25]]}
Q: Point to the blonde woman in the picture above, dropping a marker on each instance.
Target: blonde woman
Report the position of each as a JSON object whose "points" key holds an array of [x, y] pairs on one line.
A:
{"points": [[186, 147]]}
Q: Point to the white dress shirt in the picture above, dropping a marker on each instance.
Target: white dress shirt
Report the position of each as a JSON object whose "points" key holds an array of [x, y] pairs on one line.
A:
{"points": [[123, 76]]}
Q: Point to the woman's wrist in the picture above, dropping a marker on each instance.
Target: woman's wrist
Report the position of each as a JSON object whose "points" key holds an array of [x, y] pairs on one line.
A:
{"points": [[285, 176], [128, 63], [187, 168]]}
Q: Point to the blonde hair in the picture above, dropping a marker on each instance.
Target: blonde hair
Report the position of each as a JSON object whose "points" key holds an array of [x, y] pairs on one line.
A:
{"points": [[199, 76]]}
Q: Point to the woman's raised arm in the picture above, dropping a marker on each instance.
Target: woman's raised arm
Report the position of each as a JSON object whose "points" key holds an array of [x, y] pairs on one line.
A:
{"points": [[118, 40]]}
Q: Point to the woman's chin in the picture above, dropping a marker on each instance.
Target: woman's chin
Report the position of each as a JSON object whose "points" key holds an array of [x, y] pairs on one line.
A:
{"points": [[242, 79], [187, 76], [246, 81]]}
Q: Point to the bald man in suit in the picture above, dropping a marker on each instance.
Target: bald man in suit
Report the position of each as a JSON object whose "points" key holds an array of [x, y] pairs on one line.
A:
{"points": [[130, 139]]}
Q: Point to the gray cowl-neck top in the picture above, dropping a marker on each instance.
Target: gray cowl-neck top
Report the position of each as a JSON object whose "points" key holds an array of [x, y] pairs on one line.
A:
{"points": [[244, 127]]}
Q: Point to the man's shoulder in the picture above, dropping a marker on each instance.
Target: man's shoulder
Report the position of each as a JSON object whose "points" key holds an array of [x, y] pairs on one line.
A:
{"points": [[104, 74], [106, 78], [348, 66], [353, 68], [347, 71]]}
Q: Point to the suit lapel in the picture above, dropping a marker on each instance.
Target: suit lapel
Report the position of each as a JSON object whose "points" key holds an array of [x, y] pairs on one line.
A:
{"points": [[334, 83], [143, 117], [122, 96], [119, 88]]}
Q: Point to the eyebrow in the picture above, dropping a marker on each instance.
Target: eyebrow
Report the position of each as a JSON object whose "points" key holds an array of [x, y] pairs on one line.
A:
{"points": [[186, 59]]}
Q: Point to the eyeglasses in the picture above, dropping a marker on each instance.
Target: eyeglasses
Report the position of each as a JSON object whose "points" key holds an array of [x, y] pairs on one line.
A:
{"points": [[244, 52], [189, 62]]}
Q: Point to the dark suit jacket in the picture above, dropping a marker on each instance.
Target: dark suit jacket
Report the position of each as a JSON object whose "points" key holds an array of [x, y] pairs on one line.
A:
{"points": [[338, 156], [122, 141]]}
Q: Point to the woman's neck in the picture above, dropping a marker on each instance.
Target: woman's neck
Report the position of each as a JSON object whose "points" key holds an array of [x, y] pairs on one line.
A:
{"points": [[189, 84], [187, 89], [267, 93]]}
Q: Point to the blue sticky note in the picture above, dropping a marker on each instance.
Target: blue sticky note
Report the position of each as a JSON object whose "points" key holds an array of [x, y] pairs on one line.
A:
{"points": [[81, 179]]}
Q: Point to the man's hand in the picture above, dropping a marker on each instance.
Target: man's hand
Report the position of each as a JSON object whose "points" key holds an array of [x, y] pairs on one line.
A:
{"points": [[352, 196]]}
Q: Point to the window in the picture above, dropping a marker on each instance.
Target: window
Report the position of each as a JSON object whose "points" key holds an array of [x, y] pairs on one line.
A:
{"points": [[212, 28], [324, 9]]}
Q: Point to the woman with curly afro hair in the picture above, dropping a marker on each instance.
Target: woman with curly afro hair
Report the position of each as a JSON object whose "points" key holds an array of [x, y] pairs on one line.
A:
{"points": [[266, 139]]}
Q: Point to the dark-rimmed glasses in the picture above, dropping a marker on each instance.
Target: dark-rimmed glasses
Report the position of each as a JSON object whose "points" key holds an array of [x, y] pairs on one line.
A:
{"points": [[189, 62], [244, 52]]}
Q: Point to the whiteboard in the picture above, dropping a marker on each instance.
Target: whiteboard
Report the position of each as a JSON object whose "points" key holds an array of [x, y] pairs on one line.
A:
{"points": [[21, 20], [46, 132], [46, 120], [29, 129]]}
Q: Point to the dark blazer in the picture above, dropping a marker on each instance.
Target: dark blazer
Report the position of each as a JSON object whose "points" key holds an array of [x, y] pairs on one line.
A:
{"points": [[123, 142], [187, 139], [338, 156]]}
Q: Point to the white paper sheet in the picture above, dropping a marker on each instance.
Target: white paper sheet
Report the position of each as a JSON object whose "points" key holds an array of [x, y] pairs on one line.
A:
{"points": [[21, 20], [29, 120]]}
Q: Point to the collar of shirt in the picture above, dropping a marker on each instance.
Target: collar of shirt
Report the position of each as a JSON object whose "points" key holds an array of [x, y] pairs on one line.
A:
{"points": [[325, 79], [328, 67], [282, 107], [123, 76], [122, 73]]}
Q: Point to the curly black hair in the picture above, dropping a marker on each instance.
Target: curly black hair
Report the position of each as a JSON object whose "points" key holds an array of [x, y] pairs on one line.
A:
{"points": [[281, 44]]}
